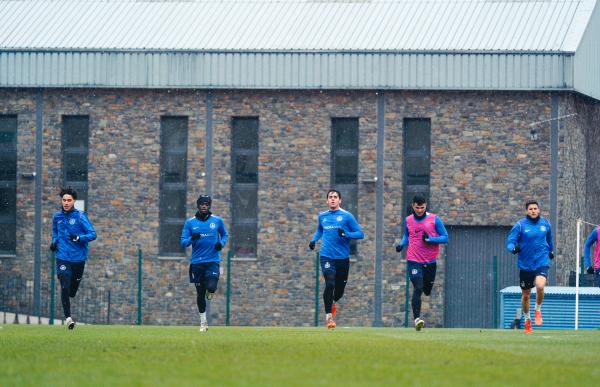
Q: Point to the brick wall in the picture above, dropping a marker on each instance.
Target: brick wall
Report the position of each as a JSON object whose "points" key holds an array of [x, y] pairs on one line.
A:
{"points": [[484, 165]]}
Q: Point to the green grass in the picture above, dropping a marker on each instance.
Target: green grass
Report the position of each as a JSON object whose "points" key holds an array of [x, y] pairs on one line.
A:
{"points": [[148, 355]]}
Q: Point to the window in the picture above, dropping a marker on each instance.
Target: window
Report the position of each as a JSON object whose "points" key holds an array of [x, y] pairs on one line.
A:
{"points": [[344, 164], [75, 139], [8, 184], [417, 159], [244, 191], [173, 181]]}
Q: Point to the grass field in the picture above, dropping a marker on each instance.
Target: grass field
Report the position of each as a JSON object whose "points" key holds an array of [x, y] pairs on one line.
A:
{"points": [[253, 356]]}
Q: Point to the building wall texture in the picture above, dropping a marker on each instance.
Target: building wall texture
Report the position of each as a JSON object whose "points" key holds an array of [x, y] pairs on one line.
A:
{"points": [[484, 165]]}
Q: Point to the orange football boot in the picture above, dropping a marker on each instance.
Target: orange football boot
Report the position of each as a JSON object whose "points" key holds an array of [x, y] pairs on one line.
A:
{"points": [[538, 317]]}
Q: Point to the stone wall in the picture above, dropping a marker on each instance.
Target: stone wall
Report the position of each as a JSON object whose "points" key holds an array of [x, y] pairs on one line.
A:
{"points": [[579, 186], [484, 165]]}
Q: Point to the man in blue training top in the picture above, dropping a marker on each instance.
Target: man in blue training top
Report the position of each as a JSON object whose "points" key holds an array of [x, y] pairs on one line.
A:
{"points": [[207, 235], [71, 232], [592, 267], [531, 238], [337, 227]]}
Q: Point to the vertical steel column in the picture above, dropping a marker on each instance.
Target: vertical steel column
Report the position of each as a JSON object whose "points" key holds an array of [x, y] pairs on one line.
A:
{"points": [[208, 171], [228, 298], [495, 292], [52, 292], [554, 133], [317, 289], [209, 143], [377, 321], [406, 295], [37, 263], [139, 295]]}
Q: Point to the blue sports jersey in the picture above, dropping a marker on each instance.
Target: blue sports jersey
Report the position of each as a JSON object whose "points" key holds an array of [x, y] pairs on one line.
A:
{"points": [[535, 239], [65, 224], [211, 231], [334, 246], [591, 239]]}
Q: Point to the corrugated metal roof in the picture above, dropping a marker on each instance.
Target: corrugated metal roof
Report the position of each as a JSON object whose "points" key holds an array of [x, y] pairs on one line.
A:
{"points": [[294, 25]]}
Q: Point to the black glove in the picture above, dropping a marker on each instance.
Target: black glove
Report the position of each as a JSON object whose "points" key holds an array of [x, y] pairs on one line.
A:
{"points": [[341, 232], [590, 270], [218, 246], [551, 255], [399, 248], [53, 246], [516, 249], [311, 245], [74, 238], [425, 237], [195, 236]]}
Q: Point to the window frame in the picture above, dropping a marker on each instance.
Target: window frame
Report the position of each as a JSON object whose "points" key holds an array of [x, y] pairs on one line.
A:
{"points": [[422, 155], [349, 191], [239, 124], [8, 221], [167, 222]]}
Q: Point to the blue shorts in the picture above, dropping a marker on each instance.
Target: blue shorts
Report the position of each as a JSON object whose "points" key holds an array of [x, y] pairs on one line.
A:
{"points": [[200, 271], [527, 277]]}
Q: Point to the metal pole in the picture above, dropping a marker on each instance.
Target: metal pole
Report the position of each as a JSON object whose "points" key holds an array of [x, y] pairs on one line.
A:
{"points": [[52, 293], [377, 320], [495, 291], [317, 289], [577, 275], [37, 257], [228, 296], [209, 142], [554, 158], [108, 309], [139, 297], [406, 298]]}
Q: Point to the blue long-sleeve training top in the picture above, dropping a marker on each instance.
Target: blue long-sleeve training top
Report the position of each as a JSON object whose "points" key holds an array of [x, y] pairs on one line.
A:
{"points": [[535, 239], [591, 239], [65, 224], [211, 231], [333, 245]]}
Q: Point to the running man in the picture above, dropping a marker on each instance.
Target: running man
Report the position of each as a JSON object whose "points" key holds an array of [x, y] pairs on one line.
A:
{"points": [[207, 235], [71, 232], [337, 227], [531, 239], [423, 234], [592, 267]]}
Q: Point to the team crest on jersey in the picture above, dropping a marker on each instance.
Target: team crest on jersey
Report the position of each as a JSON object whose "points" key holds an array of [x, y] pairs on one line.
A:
{"points": [[414, 271], [339, 218], [212, 225], [71, 221], [63, 267], [327, 265], [543, 228]]}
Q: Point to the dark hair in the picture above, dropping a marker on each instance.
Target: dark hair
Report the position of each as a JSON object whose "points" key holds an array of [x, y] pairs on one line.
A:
{"points": [[336, 191], [68, 191], [418, 199], [204, 199], [530, 202]]}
